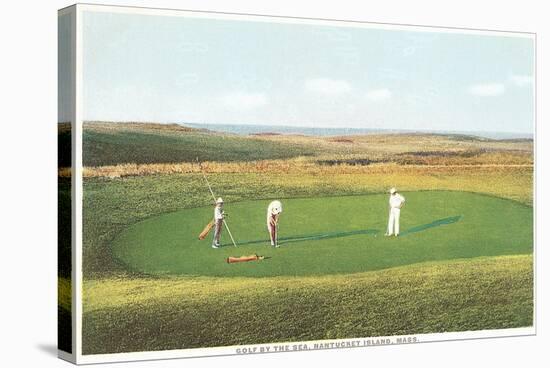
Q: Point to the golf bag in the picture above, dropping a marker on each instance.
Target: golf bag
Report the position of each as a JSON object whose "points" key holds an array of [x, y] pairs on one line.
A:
{"points": [[206, 230], [253, 257]]}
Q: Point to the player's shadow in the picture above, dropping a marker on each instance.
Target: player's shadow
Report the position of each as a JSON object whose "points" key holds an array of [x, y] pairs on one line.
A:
{"points": [[440, 222], [300, 238], [341, 234]]}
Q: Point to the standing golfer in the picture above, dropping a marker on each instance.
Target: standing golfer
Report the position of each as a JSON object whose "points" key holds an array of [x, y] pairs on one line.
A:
{"points": [[273, 211], [218, 222], [396, 202]]}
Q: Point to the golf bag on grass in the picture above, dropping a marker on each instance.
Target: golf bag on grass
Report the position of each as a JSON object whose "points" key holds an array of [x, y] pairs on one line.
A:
{"points": [[253, 257]]}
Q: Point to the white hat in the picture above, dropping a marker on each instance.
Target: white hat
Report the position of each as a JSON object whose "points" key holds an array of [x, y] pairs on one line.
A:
{"points": [[276, 207], [220, 200], [392, 190]]}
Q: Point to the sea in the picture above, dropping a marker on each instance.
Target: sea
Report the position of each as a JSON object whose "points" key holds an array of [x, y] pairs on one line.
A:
{"points": [[248, 129]]}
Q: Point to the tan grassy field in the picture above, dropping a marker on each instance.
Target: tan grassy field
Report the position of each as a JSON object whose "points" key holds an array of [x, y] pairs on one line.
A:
{"points": [[512, 181], [382, 145]]}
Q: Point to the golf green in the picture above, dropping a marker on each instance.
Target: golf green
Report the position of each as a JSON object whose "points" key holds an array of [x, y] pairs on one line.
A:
{"points": [[329, 235]]}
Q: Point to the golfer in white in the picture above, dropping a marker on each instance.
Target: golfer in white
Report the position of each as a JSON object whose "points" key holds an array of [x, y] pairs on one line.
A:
{"points": [[396, 202], [273, 212], [218, 223]]}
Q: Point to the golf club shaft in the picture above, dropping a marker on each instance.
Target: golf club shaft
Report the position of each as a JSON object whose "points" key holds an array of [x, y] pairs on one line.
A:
{"points": [[208, 183], [214, 198], [229, 232]]}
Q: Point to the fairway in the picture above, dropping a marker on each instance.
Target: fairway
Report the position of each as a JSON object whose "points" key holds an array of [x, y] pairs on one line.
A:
{"points": [[329, 235]]}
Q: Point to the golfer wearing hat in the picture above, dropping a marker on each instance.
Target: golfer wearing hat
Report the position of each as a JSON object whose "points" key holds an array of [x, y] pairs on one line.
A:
{"points": [[218, 222], [396, 202], [273, 211]]}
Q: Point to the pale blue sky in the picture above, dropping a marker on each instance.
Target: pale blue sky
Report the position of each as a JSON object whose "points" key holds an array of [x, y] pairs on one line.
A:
{"points": [[175, 69]]}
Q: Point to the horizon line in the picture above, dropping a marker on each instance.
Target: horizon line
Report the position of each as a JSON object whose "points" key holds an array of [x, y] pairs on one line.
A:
{"points": [[183, 123]]}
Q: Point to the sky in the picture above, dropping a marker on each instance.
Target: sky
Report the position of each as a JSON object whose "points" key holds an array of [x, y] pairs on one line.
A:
{"points": [[218, 71]]}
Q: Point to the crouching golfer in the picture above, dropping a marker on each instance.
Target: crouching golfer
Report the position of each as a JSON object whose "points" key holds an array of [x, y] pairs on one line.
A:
{"points": [[218, 223], [273, 211], [396, 202]]}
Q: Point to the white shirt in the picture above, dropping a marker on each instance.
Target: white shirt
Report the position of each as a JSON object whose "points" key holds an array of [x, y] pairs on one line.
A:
{"points": [[271, 213], [218, 213], [396, 200]]}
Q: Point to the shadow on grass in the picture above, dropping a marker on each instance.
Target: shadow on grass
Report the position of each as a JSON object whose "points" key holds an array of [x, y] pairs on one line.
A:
{"points": [[440, 222], [300, 238], [341, 234]]}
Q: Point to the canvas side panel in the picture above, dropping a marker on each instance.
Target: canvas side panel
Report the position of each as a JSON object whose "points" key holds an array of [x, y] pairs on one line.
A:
{"points": [[65, 193]]}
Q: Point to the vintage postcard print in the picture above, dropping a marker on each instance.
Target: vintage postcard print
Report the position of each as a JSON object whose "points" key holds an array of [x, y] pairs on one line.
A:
{"points": [[235, 184]]}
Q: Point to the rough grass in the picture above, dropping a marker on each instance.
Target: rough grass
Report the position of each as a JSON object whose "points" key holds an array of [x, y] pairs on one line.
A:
{"points": [[64, 314], [382, 145], [327, 165], [110, 144], [64, 335], [64, 293], [64, 228], [125, 315], [125, 311], [146, 144]]}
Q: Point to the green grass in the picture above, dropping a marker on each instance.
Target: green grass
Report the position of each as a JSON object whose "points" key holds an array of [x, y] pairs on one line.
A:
{"points": [[111, 205], [180, 297], [144, 147], [64, 314], [126, 315], [64, 266], [330, 235], [107, 143], [64, 227]]}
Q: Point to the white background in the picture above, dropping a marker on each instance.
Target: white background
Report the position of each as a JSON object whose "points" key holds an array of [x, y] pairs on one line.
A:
{"points": [[28, 133]]}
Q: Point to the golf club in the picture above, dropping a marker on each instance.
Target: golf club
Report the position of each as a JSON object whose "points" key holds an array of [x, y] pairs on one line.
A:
{"points": [[214, 198]]}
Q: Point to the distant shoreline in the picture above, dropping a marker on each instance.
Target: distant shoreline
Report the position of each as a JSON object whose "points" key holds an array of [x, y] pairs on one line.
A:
{"points": [[246, 129], [272, 130]]}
